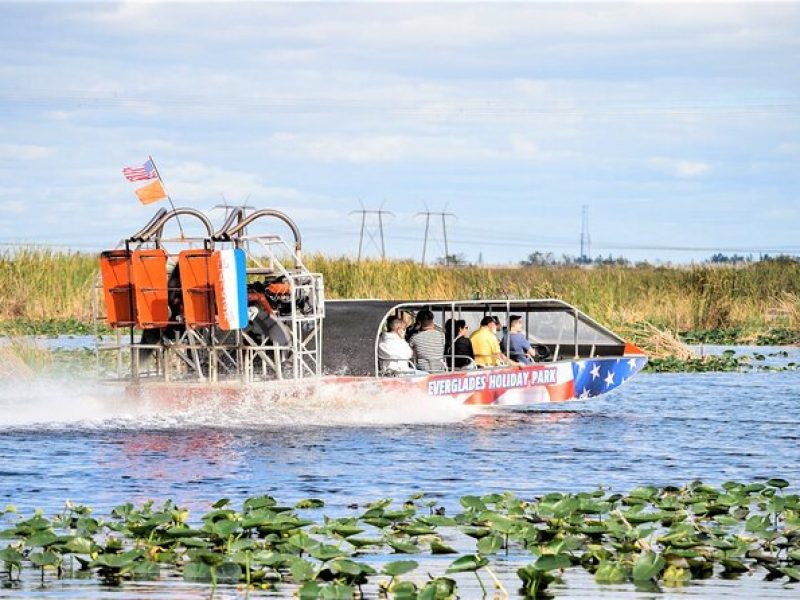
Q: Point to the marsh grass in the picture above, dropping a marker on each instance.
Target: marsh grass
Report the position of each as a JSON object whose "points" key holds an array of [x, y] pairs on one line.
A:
{"points": [[40, 286]]}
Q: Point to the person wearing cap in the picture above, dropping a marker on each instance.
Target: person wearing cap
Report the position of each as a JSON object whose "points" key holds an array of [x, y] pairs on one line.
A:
{"points": [[516, 343], [485, 346]]}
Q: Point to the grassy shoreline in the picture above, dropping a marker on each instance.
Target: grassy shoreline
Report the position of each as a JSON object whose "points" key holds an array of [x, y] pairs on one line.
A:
{"points": [[48, 292]]}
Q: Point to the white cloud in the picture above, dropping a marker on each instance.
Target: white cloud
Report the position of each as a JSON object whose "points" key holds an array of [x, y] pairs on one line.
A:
{"points": [[331, 148], [681, 168], [25, 152], [14, 207]]}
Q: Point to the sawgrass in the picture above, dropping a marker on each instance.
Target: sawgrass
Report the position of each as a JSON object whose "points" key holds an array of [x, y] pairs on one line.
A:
{"points": [[755, 296], [43, 286]]}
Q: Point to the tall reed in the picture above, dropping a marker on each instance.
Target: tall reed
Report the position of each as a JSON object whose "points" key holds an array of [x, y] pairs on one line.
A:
{"points": [[40, 284], [37, 284]]}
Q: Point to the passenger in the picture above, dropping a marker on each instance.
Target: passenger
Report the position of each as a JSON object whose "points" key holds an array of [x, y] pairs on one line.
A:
{"points": [[458, 352], [485, 346], [417, 326], [428, 344], [394, 353], [516, 343]]}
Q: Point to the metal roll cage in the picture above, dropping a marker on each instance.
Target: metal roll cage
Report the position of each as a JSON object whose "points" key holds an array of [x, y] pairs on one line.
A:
{"points": [[234, 225]]}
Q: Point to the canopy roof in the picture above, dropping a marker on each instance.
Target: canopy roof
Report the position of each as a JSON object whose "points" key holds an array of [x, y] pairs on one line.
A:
{"points": [[352, 327]]}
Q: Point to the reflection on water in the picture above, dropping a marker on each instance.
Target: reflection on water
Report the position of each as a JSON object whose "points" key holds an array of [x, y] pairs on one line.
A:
{"points": [[659, 429]]}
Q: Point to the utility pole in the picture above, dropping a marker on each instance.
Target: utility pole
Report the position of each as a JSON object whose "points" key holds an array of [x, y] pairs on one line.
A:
{"points": [[428, 214], [369, 230], [586, 240]]}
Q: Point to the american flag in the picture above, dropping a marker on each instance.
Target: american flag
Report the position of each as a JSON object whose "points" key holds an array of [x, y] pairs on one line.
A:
{"points": [[146, 171]]}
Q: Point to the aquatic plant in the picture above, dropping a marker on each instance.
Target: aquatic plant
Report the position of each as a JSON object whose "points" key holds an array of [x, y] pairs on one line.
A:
{"points": [[649, 537], [728, 361], [43, 288]]}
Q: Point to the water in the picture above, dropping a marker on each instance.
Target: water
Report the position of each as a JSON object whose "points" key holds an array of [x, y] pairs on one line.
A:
{"points": [[72, 439]]}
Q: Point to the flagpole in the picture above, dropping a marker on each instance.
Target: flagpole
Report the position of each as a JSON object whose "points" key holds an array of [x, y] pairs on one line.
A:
{"points": [[177, 218]]}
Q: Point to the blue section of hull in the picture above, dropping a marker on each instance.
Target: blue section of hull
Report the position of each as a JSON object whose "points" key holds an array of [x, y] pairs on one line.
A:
{"points": [[594, 377]]}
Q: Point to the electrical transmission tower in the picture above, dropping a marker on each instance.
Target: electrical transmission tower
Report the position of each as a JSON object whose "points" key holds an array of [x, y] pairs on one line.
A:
{"points": [[373, 228], [586, 239], [428, 214]]}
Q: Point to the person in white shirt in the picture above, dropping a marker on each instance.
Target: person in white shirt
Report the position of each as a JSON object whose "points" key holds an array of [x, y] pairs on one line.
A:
{"points": [[394, 353]]}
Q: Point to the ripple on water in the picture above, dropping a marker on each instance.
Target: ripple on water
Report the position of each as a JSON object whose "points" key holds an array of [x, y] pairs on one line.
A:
{"points": [[78, 441]]}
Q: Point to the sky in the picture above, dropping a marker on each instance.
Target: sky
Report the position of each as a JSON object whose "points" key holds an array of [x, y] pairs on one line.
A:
{"points": [[676, 124]]}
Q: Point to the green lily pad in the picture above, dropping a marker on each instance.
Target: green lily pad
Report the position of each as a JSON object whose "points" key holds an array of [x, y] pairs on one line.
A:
{"points": [[404, 590], [792, 573], [489, 544], [258, 502], [552, 562], [476, 532], [648, 566], [401, 547], [733, 565], [439, 588], [778, 483], [611, 572], [364, 542], [439, 547], [146, 570], [399, 567], [437, 521], [469, 562], [336, 591], [643, 492], [228, 572], [45, 559], [310, 503], [472, 502], [326, 552], [301, 570], [346, 566], [9, 555], [534, 581], [196, 571], [42, 539]]}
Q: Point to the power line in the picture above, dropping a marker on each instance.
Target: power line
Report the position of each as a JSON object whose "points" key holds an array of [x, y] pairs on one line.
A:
{"points": [[428, 214], [586, 240], [379, 214]]}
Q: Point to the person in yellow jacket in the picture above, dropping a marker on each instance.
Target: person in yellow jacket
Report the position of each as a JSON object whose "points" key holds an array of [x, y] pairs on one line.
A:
{"points": [[485, 345]]}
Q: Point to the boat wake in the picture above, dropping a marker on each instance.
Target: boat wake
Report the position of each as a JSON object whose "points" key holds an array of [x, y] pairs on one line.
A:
{"points": [[87, 404]]}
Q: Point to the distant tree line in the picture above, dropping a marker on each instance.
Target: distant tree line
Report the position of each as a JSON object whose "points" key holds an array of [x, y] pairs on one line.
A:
{"points": [[548, 259]]}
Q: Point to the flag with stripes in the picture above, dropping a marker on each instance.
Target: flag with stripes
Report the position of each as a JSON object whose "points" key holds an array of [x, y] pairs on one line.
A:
{"points": [[146, 171]]}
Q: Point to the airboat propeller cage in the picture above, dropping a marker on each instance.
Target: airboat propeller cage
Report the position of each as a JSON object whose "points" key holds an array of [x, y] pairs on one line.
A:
{"points": [[202, 293]]}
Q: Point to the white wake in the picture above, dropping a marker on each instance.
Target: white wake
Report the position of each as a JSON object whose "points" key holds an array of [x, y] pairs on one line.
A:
{"points": [[85, 403]]}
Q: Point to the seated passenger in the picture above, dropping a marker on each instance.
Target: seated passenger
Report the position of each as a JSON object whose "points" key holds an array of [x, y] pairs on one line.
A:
{"points": [[428, 343], [458, 352], [394, 353], [416, 326], [516, 343], [485, 346]]}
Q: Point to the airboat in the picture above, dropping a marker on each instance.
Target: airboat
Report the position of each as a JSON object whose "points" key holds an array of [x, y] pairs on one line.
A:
{"points": [[232, 311]]}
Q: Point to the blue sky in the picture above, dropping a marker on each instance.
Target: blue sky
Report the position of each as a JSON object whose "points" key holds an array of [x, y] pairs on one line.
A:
{"points": [[677, 124]]}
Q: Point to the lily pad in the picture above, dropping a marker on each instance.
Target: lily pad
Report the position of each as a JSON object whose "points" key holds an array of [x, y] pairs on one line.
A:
{"points": [[399, 567], [552, 562], [469, 562], [648, 566]]}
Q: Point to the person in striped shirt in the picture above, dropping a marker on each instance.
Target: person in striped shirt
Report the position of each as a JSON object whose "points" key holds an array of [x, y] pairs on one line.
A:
{"points": [[428, 344]]}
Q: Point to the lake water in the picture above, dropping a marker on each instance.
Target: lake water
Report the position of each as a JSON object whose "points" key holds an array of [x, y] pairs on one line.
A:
{"points": [[73, 439]]}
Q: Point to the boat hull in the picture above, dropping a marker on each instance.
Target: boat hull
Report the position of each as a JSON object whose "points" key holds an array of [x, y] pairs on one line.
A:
{"points": [[513, 386]]}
